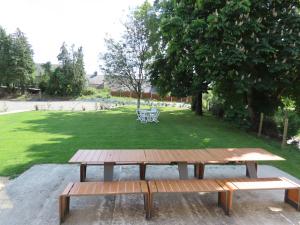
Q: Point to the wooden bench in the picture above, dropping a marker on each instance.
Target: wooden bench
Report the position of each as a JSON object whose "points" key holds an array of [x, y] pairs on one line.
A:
{"points": [[292, 190], [225, 189], [100, 188], [187, 186]]}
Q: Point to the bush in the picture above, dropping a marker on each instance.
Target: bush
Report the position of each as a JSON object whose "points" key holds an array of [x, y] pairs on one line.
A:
{"points": [[294, 122], [89, 91], [217, 110]]}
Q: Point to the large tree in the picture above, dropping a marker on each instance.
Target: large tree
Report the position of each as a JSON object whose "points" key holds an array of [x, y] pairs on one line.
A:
{"points": [[249, 50], [125, 61], [176, 68], [16, 60], [252, 51]]}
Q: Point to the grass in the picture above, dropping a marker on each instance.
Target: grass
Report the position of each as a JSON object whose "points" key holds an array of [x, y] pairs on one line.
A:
{"points": [[53, 137]]}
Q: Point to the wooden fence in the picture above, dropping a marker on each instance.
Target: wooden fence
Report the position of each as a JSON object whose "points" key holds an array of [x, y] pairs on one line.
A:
{"points": [[150, 96]]}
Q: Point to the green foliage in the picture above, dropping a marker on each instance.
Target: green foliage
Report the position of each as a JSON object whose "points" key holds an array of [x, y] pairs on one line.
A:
{"points": [[16, 62], [252, 51], [249, 50], [293, 124], [126, 60], [91, 92], [44, 78], [68, 79]]}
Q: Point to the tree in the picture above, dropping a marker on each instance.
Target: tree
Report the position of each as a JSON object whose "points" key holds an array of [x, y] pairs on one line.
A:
{"points": [[252, 51], [176, 68], [69, 78], [126, 60], [45, 76], [5, 44], [16, 60], [21, 66], [247, 50]]}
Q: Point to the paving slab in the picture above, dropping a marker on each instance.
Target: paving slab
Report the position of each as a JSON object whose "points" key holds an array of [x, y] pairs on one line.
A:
{"points": [[32, 198]]}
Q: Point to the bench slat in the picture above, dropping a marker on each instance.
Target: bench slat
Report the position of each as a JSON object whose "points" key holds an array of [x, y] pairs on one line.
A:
{"points": [[259, 184], [183, 186], [103, 188]]}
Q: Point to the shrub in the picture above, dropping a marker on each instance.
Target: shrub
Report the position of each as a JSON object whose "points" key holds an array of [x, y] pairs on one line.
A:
{"points": [[89, 91], [294, 122], [217, 110]]}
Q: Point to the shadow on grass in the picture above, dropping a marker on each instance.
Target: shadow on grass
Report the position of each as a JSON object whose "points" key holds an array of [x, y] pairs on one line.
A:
{"points": [[63, 133]]}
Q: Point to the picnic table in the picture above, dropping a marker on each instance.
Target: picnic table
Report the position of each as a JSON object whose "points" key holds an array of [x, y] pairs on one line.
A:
{"points": [[197, 157]]}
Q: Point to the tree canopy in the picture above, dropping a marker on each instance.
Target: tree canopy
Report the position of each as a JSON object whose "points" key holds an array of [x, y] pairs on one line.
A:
{"points": [[248, 50], [68, 79], [16, 60]]}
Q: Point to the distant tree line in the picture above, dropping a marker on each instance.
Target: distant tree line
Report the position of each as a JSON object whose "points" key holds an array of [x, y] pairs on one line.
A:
{"points": [[17, 67]]}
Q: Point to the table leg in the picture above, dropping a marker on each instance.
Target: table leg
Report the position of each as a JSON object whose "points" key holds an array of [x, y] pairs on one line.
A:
{"points": [[108, 171], [199, 170], [251, 169], [183, 170], [82, 172], [142, 171]]}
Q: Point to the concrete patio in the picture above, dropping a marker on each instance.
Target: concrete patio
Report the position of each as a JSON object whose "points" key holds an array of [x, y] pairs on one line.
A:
{"points": [[32, 198]]}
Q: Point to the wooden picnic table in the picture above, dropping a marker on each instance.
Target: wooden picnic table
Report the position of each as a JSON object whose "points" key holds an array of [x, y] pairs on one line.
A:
{"points": [[197, 157]]}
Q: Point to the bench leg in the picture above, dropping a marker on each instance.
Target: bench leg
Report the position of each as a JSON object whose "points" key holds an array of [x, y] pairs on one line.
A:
{"points": [[142, 171], [64, 207], [82, 172], [149, 205], [199, 170], [251, 169], [225, 201], [183, 170], [108, 171], [292, 197]]}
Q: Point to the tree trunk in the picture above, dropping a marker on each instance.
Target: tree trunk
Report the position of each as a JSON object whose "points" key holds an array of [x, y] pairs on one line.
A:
{"points": [[138, 104], [251, 110], [198, 104], [193, 104]]}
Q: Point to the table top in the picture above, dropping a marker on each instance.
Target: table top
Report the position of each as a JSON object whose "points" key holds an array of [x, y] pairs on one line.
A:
{"points": [[168, 156]]}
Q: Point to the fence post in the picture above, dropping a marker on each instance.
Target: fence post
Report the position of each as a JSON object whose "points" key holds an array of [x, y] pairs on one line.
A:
{"points": [[285, 129], [260, 124]]}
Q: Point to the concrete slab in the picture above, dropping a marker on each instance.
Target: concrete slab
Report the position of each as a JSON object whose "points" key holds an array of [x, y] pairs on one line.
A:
{"points": [[32, 198]]}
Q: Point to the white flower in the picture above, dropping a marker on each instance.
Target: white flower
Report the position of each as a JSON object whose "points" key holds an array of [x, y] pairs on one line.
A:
{"points": [[257, 40], [274, 12]]}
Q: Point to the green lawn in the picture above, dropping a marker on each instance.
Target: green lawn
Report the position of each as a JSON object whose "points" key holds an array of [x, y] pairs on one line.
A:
{"points": [[53, 137]]}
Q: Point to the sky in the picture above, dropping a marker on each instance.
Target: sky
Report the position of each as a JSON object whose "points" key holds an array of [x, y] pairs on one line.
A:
{"points": [[49, 23]]}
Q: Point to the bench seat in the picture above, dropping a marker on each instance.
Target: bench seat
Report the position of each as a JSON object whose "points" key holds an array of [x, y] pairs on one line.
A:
{"points": [[186, 186], [292, 190], [100, 188]]}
